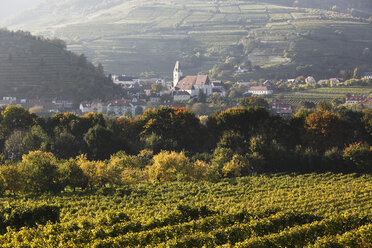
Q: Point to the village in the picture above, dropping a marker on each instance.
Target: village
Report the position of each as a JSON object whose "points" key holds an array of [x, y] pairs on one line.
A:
{"points": [[139, 94]]}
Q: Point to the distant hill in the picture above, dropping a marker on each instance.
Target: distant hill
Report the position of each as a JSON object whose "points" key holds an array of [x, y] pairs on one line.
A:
{"points": [[34, 67], [278, 38]]}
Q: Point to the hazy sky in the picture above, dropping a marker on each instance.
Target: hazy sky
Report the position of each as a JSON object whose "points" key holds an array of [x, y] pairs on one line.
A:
{"points": [[10, 7]]}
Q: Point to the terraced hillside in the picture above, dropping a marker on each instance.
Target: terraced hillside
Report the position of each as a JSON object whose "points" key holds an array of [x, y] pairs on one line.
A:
{"points": [[312, 210], [33, 67], [275, 39]]}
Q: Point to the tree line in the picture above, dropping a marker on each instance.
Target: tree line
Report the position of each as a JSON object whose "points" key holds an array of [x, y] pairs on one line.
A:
{"points": [[166, 144]]}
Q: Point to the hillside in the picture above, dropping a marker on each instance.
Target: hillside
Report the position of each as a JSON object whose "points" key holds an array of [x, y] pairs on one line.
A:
{"points": [[280, 38], [34, 67], [312, 210]]}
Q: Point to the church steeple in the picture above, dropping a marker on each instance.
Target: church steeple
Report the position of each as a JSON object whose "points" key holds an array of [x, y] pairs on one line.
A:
{"points": [[177, 73]]}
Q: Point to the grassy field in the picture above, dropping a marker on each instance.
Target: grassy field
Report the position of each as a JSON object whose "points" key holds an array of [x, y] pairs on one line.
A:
{"points": [[257, 211], [116, 34]]}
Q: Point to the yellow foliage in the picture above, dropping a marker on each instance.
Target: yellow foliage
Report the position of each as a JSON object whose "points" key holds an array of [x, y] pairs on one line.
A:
{"points": [[167, 165]]}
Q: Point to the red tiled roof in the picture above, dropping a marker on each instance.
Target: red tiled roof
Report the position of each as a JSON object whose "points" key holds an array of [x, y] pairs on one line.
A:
{"points": [[356, 98], [258, 88], [188, 82]]}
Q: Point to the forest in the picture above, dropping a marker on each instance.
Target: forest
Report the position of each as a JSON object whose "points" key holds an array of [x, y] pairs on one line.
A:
{"points": [[170, 144]]}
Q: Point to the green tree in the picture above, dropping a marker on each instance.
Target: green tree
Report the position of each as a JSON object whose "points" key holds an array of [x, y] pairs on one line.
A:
{"points": [[99, 142], [70, 174], [40, 172], [253, 101]]}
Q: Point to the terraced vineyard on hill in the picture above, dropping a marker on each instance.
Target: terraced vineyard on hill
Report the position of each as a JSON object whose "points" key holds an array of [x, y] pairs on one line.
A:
{"points": [[137, 36], [312, 210]]}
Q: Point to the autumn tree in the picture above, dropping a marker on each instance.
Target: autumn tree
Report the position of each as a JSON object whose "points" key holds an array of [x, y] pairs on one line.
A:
{"points": [[40, 171], [324, 129], [168, 166], [253, 101]]}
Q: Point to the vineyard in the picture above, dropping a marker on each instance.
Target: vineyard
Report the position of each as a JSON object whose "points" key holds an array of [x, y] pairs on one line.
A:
{"points": [[282, 210]]}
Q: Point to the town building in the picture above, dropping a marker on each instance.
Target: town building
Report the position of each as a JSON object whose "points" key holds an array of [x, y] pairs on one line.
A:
{"points": [[191, 84], [260, 90], [92, 106], [179, 96], [355, 99], [367, 75]]}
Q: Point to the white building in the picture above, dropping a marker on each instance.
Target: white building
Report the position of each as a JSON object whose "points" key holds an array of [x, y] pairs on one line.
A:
{"points": [[260, 90], [191, 84], [179, 96], [367, 75], [92, 106]]}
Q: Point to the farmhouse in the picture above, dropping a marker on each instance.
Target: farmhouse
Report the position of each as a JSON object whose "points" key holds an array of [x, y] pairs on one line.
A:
{"points": [[191, 84]]}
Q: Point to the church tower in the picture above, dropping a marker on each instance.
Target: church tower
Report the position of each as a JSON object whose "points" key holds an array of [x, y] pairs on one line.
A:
{"points": [[177, 74]]}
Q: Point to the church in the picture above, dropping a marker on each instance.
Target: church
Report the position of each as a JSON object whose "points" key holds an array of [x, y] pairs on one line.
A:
{"points": [[191, 84]]}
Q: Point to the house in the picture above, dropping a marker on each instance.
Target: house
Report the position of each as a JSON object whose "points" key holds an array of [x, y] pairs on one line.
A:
{"points": [[280, 108], [179, 96], [92, 106], [219, 88], [138, 107], [322, 81], [118, 107], [155, 97], [7, 101], [260, 90], [63, 103], [124, 80], [355, 99], [367, 75], [241, 70], [218, 85], [147, 88], [221, 92], [310, 80], [334, 81], [192, 84]]}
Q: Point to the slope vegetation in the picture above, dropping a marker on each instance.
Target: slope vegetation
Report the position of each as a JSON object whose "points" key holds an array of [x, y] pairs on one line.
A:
{"points": [[138, 35], [34, 67]]}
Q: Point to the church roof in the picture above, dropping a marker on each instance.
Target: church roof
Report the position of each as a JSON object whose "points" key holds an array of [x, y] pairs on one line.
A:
{"points": [[187, 83]]}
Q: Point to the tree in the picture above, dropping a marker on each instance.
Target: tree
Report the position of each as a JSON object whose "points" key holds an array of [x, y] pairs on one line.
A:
{"points": [[253, 101], [36, 139], [324, 106], [40, 171], [65, 145], [324, 128], [99, 142], [172, 129], [361, 155], [14, 147], [11, 178], [167, 166], [14, 117], [202, 98], [356, 73], [71, 174]]}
